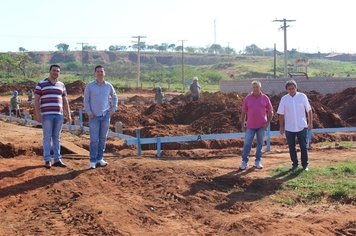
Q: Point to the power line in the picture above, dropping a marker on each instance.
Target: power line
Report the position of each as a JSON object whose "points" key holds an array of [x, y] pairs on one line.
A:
{"points": [[139, 43], [284, 28]]}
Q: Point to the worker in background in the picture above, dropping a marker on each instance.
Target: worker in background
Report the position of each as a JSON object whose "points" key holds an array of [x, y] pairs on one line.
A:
{"points": [[195, 89], [29, 95], [159, 95], [15, 104]]}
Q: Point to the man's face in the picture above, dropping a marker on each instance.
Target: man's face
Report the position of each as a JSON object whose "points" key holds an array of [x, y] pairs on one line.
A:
{"points": [[100, 73], [292, 90], [256, 89], [54, 72]]}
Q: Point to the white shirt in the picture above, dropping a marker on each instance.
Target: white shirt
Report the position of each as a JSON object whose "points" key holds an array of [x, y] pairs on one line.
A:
{"points": [[293, 109]]}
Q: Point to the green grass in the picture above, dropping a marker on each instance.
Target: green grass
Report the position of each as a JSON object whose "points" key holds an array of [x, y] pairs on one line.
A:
{"points": [[333, 183], [342, 144], [287, 201]]}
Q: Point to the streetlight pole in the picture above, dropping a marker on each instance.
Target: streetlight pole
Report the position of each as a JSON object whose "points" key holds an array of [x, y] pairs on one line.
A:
{"points": [[183, 80], [138, 58], [82, 57], [82, 51], [284, 28]]}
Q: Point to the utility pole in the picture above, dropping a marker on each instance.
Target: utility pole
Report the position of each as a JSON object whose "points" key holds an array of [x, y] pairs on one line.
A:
{"points": [[214, 31], [284, 28], [82, 51], [139, 43], [82, 57], [183, 80], [274, 61]]}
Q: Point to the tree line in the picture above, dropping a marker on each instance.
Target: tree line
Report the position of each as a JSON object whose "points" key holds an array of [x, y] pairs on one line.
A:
{"points": [[252, 50]]}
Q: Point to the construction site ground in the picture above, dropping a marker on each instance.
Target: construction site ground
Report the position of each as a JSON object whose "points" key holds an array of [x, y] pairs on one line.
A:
{"points": [[195, 188]]}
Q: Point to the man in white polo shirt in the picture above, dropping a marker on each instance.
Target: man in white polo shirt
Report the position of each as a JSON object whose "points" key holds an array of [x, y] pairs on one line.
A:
{"points": [[293, 122]]}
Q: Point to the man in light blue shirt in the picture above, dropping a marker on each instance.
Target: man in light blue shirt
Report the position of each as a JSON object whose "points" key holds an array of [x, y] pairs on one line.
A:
{"points": [[97, 96]]}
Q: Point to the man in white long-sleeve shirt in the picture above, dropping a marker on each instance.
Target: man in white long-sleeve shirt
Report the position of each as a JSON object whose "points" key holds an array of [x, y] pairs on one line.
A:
{"points": [[294, 123], [97, 96]]}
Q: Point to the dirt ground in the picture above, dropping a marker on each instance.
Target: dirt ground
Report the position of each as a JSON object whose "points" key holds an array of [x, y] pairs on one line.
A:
{"points": [[194, 189], [150, 196]]}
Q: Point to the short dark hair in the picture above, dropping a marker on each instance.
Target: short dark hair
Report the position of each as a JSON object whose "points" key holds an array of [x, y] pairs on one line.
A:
{"points": [[97, 67], [54, 65], [291, 82]]}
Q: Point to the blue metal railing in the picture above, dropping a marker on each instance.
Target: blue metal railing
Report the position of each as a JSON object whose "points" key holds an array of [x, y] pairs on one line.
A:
{"points": [[138, 141]]}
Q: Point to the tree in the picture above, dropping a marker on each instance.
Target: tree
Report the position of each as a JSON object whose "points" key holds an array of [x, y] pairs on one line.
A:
{"points": [[253, 50], [215, 48], [89, 48], [171, 47], [7, 64], [229, 50], [142, 46], [21, 49], [202, 50], [294, 53], [190, 49], [178, 48], [163, 47], [23, 60], [117, 48], [62, 47]]}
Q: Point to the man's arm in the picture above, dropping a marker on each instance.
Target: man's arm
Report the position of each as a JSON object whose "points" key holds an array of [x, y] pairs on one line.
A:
{"points": [[38, 116], [114, 101], [87, 102], [243, 120], [67, 109], [269, 118], [310, 120], [281, 123]]}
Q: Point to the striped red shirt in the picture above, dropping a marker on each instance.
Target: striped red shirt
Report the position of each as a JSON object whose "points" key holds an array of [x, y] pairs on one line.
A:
{"points": [[51, 101]]}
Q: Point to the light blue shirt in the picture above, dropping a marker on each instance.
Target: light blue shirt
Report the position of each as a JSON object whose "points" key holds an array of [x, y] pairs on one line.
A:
{"points": [[97, 98]]}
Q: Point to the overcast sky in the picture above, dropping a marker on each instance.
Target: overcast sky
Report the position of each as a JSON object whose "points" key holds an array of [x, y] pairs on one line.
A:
{"points": [[39, 25]]}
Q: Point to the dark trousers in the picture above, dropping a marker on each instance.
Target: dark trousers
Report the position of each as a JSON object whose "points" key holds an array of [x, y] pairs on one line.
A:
{"points": [[302, 140]]}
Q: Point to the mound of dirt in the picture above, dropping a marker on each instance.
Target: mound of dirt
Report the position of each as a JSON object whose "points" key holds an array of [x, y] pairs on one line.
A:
{"points": [[140, 100], [75, 88], [212, 113], [22, 87], [79, 100], [343, 103]]}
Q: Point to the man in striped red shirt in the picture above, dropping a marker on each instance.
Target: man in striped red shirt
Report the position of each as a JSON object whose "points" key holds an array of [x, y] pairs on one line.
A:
{"points": [[51, 104]]}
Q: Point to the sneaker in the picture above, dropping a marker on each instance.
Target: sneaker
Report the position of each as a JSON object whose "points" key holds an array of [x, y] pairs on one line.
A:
{"points": [[59, 164], [92, 165], [101, 163], [293, 168], [258, 165], [243, 166], [48, 164], [306, 168]]}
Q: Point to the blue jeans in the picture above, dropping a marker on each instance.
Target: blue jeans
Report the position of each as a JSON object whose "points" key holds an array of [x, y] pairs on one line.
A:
{"points": [[98, 128], [249, 135], [52, 128], [302, 140]]}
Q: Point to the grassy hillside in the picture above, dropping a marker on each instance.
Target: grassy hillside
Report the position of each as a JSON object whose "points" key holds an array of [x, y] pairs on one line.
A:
{"points": [[164, 69]]}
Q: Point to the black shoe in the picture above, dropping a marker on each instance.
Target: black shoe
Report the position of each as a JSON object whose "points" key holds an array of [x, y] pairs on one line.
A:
{"points": [[59, 164], [293, 168], [48, 165]]}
